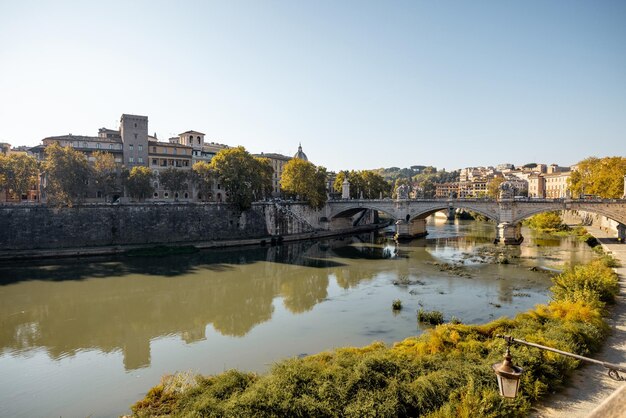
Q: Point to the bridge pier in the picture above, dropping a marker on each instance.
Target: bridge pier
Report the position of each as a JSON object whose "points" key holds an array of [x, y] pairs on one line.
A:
{"points": [[408, 230], [509, 234], [451, 214]]}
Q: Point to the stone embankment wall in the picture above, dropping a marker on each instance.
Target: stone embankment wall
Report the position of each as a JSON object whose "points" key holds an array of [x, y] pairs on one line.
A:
{"points": [[43, 227], [588, 218]]}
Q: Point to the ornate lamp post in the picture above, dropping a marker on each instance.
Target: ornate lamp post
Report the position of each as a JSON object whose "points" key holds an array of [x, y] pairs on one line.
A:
{"points": [[509, 375]]}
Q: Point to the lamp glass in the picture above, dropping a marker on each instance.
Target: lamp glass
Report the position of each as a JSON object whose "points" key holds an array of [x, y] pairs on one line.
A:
{"points": [[508, 387]]}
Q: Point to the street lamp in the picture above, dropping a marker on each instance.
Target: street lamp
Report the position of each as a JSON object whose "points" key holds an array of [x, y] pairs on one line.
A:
{"points": [[508, 375]]}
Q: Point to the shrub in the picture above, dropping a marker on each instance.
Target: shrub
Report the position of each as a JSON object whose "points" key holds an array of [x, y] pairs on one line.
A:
{"points": [[396, 305], [444, 372], [547, 221], [430, 317]]}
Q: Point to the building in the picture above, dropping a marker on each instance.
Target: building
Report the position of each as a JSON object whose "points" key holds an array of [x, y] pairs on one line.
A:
{"points": [[445, 190], [301, 155], [536, 186], [556, 185], [168, 155], [278, 162], [202, 151], [550, 186]]}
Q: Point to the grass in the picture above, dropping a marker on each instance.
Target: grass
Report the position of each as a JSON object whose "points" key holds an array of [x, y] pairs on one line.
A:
{"points": [[445, 372], [396, 305]]}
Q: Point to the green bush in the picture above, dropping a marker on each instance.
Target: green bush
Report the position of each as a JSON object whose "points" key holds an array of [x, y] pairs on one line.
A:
{"points": [[430, 317], [547, 221], [396, 305], [442, 373]]}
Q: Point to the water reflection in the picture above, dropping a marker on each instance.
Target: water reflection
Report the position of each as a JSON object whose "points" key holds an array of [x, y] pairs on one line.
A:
{"points": [[242, 308], [124, 303], [83, 304]]}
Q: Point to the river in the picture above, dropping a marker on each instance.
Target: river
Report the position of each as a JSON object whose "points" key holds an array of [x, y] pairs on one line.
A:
{"points": [[88, 337]]}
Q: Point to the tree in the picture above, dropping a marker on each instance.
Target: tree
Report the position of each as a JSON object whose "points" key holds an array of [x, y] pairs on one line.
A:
{"points": [[106, 173], [238, 172], [493, 187], [139, 182], [67, 175], [262, 181], [19, 174], [302, 178], [400, 182], [203, 176], [546, 221], [174, 180], [603, 177]]}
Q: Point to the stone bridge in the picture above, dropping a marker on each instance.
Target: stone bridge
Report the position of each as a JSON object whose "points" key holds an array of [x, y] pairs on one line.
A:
{"points": [[410, 214]]}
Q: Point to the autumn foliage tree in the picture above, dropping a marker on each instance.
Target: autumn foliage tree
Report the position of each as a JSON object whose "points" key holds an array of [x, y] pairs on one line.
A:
{"points": [[18, 174], [174, 180], [603, 177], [493, 187], [203, 175], [244, 177], [67, 175], [106, 173], [139, 182], [303, 179], [367, 182]]}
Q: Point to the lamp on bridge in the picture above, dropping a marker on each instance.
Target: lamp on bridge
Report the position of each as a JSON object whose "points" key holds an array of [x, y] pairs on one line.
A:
{"points": [[509, 375]]}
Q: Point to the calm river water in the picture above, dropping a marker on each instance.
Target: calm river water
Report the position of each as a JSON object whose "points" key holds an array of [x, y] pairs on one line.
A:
{"points": [[88, 337]]}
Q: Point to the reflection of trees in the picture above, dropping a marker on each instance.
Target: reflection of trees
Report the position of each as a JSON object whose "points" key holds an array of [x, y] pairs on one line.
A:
{"points": [[303, 291], [123, 304]]}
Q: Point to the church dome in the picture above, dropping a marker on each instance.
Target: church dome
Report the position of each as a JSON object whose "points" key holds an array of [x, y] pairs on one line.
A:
{"points": [[300, 154]]}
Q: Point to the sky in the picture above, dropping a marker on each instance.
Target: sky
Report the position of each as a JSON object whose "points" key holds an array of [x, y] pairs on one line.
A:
{"points": [[361, 84]]}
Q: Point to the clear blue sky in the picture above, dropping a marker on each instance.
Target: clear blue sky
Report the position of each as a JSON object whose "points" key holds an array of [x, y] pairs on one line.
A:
{"points": [[361, 84]]}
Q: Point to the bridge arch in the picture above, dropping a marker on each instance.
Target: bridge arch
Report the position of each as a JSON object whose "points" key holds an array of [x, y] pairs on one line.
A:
{"points": [[595, 209], [351, 211], [426, 213]]}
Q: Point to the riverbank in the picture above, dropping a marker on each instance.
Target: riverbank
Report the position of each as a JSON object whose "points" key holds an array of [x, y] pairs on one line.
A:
{"points": [[13, 255], [589, 386], [444, 372]]}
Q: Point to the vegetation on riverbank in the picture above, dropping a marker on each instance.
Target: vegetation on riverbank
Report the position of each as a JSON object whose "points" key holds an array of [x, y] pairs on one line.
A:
{"points": [[444, 372], [547, 222]]}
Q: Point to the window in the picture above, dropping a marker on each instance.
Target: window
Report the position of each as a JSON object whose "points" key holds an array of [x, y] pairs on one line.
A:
{"points": [[110, 146], [156, 194], [186, 195], [140, 147], [131, 147], [164, 150], [131, 159], [135, 127], [198, 140], [154, 149], [166, 195], [140, 159], [156, 184], [156, 173], [174, 151], [154, 161]]}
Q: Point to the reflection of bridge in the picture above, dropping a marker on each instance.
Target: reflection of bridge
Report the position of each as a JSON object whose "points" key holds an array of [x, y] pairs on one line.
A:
{"points": [[410, 215]]}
